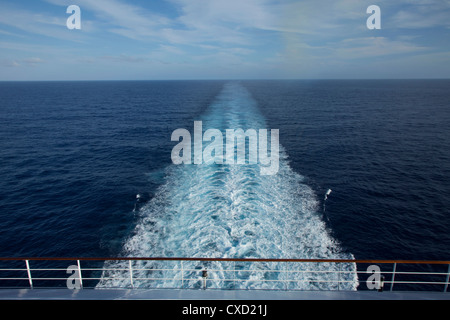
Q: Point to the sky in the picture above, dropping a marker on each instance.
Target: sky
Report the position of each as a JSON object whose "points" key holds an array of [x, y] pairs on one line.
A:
{"points": [[223, 39]]}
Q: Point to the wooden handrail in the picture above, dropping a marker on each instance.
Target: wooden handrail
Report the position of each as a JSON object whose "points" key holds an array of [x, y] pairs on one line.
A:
{"points": [[220, 259]]}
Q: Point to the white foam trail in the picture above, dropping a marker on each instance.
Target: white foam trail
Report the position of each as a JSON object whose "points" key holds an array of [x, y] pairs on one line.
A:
{"points": [[232, 211]]}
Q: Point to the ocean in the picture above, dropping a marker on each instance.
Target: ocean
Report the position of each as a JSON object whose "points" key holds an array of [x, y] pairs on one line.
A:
{"points": [[86, 170]]}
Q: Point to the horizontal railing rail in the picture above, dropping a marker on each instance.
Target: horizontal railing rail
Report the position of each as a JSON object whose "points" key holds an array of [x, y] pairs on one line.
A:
{"points": [[225, 273]]}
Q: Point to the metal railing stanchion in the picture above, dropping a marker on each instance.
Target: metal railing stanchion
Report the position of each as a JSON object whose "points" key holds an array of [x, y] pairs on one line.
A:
{"points": [[30, 280], [182, 275], [79, 274], [447, 280], [339, 277], [131, 273], [393, 276], [234, 273]]}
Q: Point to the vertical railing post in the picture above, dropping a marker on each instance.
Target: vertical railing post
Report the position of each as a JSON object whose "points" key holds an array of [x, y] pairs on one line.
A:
{"points": [[182, 274], [234, 274], [448, 278], [79, 273], [30, 280], [393, 276], [339, 277], [285, 276], [204, 276], [131, 273]]}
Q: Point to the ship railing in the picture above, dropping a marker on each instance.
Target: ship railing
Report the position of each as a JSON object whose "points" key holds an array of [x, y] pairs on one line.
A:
{"points": [[202, 273]]}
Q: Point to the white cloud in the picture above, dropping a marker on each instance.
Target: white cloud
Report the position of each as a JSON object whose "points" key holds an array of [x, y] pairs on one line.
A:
{"points": [[309, 36], [33, 61], [121, 17], [418, 17], [124, 58], [39, 23], [363, 48], [9, 63], [32, 22], [202, 14]]}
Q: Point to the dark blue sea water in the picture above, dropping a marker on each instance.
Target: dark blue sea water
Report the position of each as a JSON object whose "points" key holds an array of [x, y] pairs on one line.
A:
{"points": [[74, 155], [383, 147]]}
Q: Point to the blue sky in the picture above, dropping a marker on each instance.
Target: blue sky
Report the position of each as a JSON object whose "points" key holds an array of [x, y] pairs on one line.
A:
{"points": [[223, 39]]}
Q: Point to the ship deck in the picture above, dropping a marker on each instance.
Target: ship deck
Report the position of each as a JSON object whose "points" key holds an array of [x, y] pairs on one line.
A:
{"points": [[210, 294]]}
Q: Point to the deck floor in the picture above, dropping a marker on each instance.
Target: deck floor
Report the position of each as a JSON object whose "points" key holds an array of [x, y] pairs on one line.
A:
{"points": [[176, 294]]}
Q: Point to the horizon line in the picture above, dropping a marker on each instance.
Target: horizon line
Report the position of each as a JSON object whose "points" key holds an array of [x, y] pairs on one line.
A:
{"points": [[228, 79]]}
